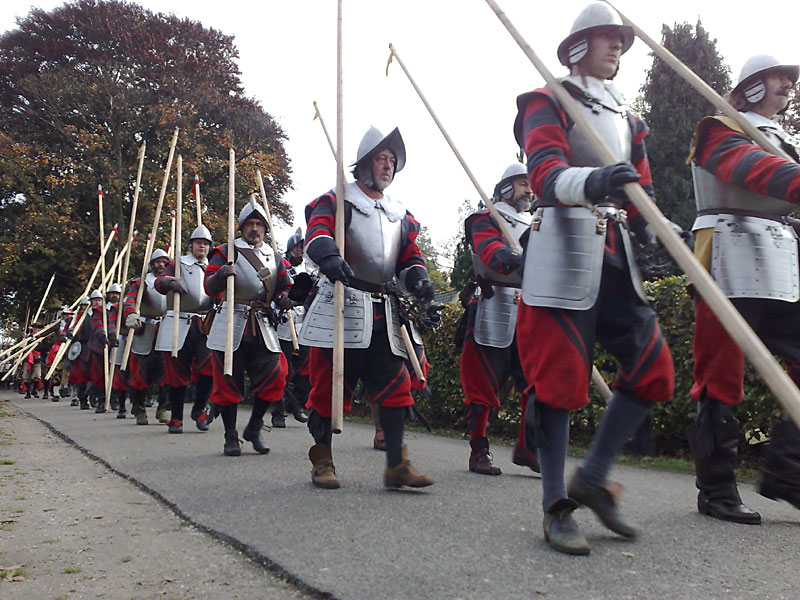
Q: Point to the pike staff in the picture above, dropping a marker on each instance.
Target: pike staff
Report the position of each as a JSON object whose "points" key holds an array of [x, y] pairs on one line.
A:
{"points": [[41, 304], [597, 378], [229, 282], [755, 350], [96, 269], [176, 297], [106, 382], [292, 329], [149, 247], [318, 115], [198, 206], [337, 392]]}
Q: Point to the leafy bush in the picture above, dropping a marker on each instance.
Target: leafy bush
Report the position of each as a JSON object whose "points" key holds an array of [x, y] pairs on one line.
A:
{"points": [[445, 407]]}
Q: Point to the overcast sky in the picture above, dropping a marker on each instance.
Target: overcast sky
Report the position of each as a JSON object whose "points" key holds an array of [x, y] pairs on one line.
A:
{"points": [[463, 59]]}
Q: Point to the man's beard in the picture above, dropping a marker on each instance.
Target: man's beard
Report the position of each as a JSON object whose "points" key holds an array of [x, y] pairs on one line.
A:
{"points": [[295, 260], [523, 204]]}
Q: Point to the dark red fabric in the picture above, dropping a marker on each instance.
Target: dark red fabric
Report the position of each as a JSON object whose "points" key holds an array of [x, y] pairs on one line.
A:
{"points": [[266, 370]]}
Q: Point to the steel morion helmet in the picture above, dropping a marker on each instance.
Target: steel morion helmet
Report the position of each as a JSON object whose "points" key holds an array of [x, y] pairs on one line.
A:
{"points": [[96, 295], [505, 187], [201, 232], [596, 15], [114, 287], [84, 301], [158, 253], [751, 77], [297, 238], [372, 143], [252, 210]]}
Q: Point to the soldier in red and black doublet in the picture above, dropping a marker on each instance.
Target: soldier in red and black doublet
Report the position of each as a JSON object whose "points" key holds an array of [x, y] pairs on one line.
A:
{"points": [[741, 187], [380, 251], [489, 355], [98, 340], [260, 278], [580, 227], [193, 363], [80, 368]]}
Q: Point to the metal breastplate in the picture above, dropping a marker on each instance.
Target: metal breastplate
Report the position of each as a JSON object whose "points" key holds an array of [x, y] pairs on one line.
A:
{"points": [[153, 303], [372, 246], [195, 299], [612, 126], [250, 285]]}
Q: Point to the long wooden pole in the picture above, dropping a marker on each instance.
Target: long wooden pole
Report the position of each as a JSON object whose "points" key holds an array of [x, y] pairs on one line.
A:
{"points": [[501, 222], [755, 350], [46, 292], [318, 115], [292, 329], [229, 283], [337, 394], [149, 247], [704, 89], [198, 205], [62, 350], [95, 271], [106, 387], [27, 314], [26, 341], [176, 297], [131, 231]]}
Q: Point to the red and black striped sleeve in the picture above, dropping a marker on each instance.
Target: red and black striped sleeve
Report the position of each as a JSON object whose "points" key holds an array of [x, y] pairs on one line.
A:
{"points": [[321, 217], [410, 254], [216, 258], [129, 306], [540, 129], [732, 157], [485, 239], [285, 280]]}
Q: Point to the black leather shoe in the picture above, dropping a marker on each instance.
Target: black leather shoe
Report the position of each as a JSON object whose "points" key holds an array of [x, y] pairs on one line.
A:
{"points": [[602, 503], [252, 434], [278, 420], [726, 510], [525, 458], [232, 446], [560, 529], [300, 415]]}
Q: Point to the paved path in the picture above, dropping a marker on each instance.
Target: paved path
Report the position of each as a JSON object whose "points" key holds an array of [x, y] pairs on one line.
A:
{"points": [[469, 536]]}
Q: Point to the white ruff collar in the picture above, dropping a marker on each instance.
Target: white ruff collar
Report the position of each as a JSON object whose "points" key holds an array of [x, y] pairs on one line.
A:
{"points": [[366, 205], [511, 213], [240, 243]]}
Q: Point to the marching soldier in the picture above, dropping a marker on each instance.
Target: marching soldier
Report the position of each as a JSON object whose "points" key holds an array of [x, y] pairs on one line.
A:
{"points": [[260, 279], [145, 367], [80, 357], [32, 365], [97, 338], [297, 385], [194, 358], [580, 281], [380, 254], [745, 238], [489, 354]]}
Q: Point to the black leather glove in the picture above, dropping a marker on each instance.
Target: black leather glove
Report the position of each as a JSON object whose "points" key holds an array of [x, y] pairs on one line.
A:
{"points": [[174, 285], [423, 289], [68, 333], [215, 283], [282, 301], [607, 181], [435, 314], [336, 268], [509, 258], [113, 340], [102, 338]]}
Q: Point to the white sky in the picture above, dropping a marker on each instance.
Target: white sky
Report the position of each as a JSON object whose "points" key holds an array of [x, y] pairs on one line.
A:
{"points": [[461, 56]]}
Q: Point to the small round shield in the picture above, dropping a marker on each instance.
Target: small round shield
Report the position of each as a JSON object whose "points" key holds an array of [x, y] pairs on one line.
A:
{"points": [[74, 351]]}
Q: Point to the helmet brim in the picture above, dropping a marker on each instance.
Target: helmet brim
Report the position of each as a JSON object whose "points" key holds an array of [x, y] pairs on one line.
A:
{"points": [[563, 48]]}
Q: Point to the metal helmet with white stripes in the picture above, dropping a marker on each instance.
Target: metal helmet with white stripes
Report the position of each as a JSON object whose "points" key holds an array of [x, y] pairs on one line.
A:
{"points": [[597, 14], [751, 78], [505, 187]]}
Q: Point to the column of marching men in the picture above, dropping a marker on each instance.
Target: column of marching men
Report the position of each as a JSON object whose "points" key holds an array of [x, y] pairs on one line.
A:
{"points": [[533, 316]]}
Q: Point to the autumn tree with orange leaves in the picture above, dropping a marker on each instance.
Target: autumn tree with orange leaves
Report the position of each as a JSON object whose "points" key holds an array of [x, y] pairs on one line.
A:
{"points": [[81, 88]]}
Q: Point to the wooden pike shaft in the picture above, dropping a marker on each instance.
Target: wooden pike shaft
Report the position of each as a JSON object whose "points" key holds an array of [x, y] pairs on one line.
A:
{"points": [[149, 247], [229, 283], [103, 292], [318, 115], [198, 205], [131, 231], [337, 392], [292, 329], [15, 350], [755, 350], [94, 273], [46, 292], [176, 297]]}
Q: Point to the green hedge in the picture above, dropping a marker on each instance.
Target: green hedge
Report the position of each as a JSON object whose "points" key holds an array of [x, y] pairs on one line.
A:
{"points": [[445, 408]]}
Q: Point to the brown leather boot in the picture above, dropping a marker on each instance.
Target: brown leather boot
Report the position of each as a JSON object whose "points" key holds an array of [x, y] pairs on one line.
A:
{"points": [[480, 459], [323, 473], [405, 474]]}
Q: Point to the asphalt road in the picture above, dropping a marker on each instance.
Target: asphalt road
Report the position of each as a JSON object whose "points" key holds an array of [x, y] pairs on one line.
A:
{"points": [[469, 536]]}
